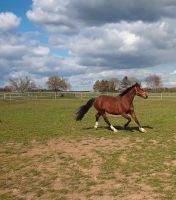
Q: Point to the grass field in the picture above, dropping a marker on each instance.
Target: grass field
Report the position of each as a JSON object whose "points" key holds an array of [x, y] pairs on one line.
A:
{"points": [[45, 154]]}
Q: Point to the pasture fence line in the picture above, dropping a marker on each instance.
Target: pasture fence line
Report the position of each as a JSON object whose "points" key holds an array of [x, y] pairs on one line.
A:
{"points": [[70, 95]]}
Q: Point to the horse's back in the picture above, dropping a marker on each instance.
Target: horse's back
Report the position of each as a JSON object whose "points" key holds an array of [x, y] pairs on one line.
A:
{"points": [[108, 104]]}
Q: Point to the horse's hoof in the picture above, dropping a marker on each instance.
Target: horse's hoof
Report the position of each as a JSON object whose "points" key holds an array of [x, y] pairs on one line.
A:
{"points": [[125, 127], [115, 130], [142, 130]]}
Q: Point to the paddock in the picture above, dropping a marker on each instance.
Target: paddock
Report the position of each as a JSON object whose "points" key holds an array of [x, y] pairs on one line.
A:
{"points": [[46, 154]]}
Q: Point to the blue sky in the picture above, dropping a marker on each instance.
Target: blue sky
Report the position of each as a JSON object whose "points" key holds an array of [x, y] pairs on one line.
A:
{"points": [[18, 7], [83, 41]]}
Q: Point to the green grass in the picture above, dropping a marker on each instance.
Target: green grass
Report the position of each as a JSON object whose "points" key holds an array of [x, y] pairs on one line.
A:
{"points": [[23, 121], [86, 164]]}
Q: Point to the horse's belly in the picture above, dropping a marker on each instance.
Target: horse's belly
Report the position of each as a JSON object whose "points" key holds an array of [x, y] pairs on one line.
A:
{"points": [[110, 105], [113, 109]]}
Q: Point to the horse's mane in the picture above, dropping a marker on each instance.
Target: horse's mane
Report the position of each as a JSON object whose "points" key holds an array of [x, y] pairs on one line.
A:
{"points": [[126, 91]]}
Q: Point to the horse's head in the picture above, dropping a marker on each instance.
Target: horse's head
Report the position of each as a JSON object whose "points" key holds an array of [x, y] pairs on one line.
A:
{"points": [[140, 92]]}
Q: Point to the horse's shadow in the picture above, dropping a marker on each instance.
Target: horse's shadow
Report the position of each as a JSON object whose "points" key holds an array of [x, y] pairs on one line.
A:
{"points": [[120, 128], [134, 128]]}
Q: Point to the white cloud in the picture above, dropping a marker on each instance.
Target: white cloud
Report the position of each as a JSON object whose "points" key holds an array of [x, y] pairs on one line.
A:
{"points": [[8, 21], [71, 16], [103, 39], [41, 50], [122, 45], [51, 15], [174, 72]]}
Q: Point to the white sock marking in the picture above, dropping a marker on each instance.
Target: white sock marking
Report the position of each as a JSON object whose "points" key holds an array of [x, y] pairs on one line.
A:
{"points": [[114, 129], [142, 130], [96, 125]]}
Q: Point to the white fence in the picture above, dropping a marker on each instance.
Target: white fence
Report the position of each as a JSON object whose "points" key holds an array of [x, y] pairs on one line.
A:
{"points": [[47, 95], [70, 95]]}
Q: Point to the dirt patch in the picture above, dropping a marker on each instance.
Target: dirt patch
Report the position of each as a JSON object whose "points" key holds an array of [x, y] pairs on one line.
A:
{"points": [[171, 163], [140, 196], [84, 168]]}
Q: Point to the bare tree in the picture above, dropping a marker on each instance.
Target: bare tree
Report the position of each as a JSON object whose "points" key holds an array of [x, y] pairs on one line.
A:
{"points": [[57, 84], [21, 84], [153, 81]]}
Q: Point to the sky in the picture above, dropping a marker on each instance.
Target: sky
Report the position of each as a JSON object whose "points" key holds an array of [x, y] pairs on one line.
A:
{"points": [[84, 41]]}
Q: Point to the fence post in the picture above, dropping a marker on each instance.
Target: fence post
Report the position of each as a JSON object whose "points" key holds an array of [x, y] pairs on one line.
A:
{"points": [[161, 95], [10, 98], [28, 96], [4, 96]]}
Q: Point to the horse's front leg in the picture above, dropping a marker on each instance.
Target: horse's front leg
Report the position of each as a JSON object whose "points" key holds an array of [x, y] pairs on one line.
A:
{"points": [[133, 115]]}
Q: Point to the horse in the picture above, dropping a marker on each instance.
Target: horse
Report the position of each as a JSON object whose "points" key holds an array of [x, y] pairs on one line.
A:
{"points": [[115, 105]]}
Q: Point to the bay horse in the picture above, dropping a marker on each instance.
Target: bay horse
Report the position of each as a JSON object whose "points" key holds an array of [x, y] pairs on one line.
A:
{"points": [[119, 105]]}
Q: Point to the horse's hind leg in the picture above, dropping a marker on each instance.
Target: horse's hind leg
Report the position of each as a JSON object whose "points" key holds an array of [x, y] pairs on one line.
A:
{"points": [[107, 121], [97, 116], [128, 118]]}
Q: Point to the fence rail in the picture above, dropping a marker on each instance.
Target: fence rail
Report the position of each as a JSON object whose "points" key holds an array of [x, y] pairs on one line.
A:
{"points": [[70, 95], [46, 95]]}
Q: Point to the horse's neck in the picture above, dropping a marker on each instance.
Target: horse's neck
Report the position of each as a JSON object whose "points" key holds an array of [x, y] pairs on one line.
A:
{"points": [[130, 96]]}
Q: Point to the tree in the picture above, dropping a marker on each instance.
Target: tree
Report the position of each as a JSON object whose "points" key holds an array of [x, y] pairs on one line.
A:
{"points": [[57, 84], [96, 86], [114, 84], [21, 84], [153, 81], [101, 86], [126, 82], [106, 85]]}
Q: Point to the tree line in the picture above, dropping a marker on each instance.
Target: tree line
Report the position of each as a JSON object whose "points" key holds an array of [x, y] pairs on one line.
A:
{"points": [[153, 83], [56, 83], [26, 84]]}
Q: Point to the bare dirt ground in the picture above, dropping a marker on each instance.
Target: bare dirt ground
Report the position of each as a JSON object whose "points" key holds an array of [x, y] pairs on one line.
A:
{"points": [[84, 168]]}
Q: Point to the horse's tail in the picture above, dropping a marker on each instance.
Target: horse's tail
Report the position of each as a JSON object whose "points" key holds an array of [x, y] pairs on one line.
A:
{"points": [[84, 109]]}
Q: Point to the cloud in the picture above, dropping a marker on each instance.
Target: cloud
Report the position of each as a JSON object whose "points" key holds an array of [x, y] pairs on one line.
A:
{"points": [[110, 34], [90, 40], [52, 15], [70, 16], [22, 56], [8, 21], [122, 45]]}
